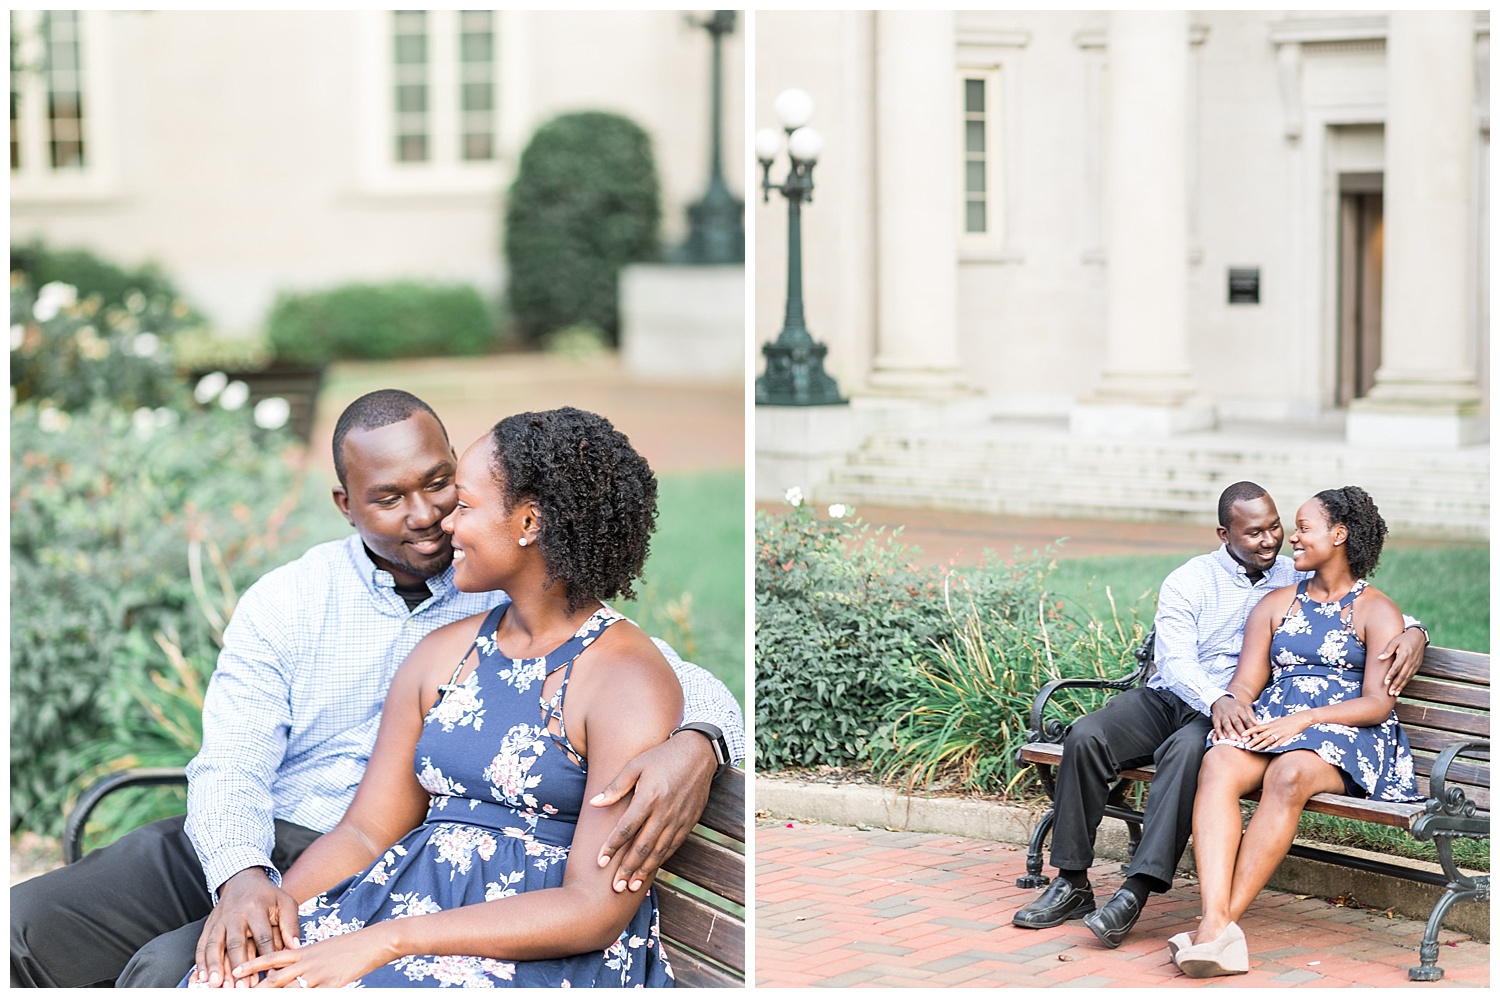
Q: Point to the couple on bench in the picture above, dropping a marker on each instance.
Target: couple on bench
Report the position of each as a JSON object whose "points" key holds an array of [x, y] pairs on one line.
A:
{"points": [[1262, 681], [331, 840]]}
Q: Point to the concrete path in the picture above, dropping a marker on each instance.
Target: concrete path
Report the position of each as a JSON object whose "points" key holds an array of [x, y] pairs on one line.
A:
{"points": [[846, 907]]}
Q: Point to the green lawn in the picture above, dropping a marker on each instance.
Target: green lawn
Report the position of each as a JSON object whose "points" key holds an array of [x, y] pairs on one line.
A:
{"points": [[693, 594], [1446, 587]]}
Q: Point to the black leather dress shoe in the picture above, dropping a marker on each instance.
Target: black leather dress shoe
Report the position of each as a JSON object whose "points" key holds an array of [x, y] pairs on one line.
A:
{"points": [[1058, 903], [1111, 922]]}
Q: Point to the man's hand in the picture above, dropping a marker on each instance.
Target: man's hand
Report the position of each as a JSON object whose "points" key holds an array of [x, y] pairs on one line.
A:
{"points": [[671, 784], [254, 917], [1405, 655], [1232, 718]]}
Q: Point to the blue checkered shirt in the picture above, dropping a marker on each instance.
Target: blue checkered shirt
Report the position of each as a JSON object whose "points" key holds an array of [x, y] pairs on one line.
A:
{"points": [[292, 711], [1200, 624]]}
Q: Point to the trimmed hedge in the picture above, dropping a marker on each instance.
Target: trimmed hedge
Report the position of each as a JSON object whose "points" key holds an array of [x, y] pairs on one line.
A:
{"points": [[585, 202], [380, 322], [92, 275]]}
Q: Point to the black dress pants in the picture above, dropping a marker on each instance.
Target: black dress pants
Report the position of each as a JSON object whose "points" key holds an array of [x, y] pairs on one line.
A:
{"points": [[1135, 727], [80, 925]]}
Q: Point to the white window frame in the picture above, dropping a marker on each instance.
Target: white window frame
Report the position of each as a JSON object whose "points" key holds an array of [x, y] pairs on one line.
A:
{"points": [[444, 171], [990, 243], [35, 180]]}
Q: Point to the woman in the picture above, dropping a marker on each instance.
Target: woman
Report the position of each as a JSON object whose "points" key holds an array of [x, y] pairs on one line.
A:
{"points": [[449, 868], [1323, 723]]}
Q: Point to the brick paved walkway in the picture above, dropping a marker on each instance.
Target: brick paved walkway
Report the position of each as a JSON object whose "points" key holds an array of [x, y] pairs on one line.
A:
{"points": [[841, 907]]}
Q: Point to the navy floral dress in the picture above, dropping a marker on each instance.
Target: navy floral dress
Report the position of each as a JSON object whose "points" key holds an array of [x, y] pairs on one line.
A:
{"points": [[506, 795], [1316, 660]]}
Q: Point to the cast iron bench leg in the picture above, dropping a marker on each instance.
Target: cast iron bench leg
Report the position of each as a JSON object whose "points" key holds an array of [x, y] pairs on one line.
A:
{"points": [[1034, 876]]}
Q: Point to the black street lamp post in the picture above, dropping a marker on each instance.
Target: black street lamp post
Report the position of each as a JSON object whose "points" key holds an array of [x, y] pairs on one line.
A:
{"points": [[717, 222], [794, 361]]}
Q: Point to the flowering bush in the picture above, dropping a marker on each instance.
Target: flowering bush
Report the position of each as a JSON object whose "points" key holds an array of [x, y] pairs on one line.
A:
{"points": [[70, 350], [843, 625], [105, 504]]}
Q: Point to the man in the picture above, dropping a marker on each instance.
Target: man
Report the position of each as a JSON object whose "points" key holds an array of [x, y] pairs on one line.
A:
{"points": [[1200, 626], [289, 721]]}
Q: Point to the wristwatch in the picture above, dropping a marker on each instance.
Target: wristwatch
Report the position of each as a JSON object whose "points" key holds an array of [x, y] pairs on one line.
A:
{"points": [[715, 738]]}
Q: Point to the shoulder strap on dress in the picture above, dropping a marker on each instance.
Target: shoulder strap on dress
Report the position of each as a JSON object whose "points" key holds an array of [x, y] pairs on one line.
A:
{"points": [[488, 625]]}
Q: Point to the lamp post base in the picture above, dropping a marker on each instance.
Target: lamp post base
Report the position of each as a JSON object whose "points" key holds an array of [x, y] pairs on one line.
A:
{"points": [[794, 374], [717, 231]]}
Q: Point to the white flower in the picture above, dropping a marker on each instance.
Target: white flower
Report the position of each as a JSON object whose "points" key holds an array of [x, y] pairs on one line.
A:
{"points": [[52, 420], [17, 336], [145, 345], [209, 386], [235, 394], [272, 413], [794, 496], [53, 298], [838, 511]]}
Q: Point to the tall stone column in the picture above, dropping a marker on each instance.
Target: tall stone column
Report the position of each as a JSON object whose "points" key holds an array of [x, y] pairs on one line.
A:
{"points": [[1425, 392], [1147, 387], [916, 204]]}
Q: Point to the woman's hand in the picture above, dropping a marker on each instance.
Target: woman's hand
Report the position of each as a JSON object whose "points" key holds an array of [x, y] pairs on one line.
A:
{"points": [[1270, 734], [331, 963]]}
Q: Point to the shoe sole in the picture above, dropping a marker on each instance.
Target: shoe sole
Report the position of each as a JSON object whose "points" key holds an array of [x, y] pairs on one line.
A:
{"points": [[1079, 912], [1206, 968]]}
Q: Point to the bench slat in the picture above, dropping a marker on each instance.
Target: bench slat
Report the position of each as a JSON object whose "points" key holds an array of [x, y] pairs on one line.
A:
{"points": [[1380, 812], [1434, 742], [702, 928], [1462, 666], [1420, 716], [710, 865], [1422, 689], [690, 972], [725, 812]]}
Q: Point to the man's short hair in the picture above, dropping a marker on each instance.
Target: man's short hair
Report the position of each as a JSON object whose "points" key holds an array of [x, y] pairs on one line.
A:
{"points": [[372, 411], [1238, 492]]}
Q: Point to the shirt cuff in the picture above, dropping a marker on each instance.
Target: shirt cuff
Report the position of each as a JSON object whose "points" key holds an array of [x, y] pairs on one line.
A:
{"points": [[1212, 696], [1409, 621], [232, 861]]}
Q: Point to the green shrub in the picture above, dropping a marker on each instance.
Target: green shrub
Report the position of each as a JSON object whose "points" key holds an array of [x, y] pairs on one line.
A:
{"points": [[104, 508], [584, 203], [69, 350], [380, 322], [92, 276], [843, 625]]}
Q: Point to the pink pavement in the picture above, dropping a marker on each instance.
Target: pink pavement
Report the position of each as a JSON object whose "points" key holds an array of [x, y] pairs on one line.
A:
{"points": [[842, 907]]}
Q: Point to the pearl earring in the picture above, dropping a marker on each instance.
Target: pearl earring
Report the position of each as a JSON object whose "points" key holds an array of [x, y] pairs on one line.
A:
{"points": [[523, 542]]}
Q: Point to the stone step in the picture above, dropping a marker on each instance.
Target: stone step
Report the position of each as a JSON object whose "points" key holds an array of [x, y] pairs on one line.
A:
{"points": [[1050, 473]]}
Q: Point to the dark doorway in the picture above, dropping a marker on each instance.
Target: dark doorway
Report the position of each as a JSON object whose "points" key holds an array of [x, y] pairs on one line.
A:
{"points": [[1361, 252]]}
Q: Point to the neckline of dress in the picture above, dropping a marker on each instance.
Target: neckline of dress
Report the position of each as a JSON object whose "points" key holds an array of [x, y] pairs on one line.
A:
{"points": [[606, 615], [1344, 600]]}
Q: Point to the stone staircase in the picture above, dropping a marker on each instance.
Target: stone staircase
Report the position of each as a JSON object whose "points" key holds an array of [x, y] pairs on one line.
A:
{"points": [[1037, 468]]}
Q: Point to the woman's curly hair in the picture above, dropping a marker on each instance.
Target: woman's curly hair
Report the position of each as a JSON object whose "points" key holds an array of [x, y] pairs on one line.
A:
{"points": [[596, 494], [1352, 507]]}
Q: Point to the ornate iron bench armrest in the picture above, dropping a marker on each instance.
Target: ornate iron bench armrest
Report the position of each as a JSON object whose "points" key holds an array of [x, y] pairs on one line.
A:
{"points": [[79, 816], [1052, 731], [1448, 810]]}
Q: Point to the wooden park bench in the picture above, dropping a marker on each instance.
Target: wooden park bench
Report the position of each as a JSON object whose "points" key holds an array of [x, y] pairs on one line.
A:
{"points": [[1445, 709], [701, 889]]}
